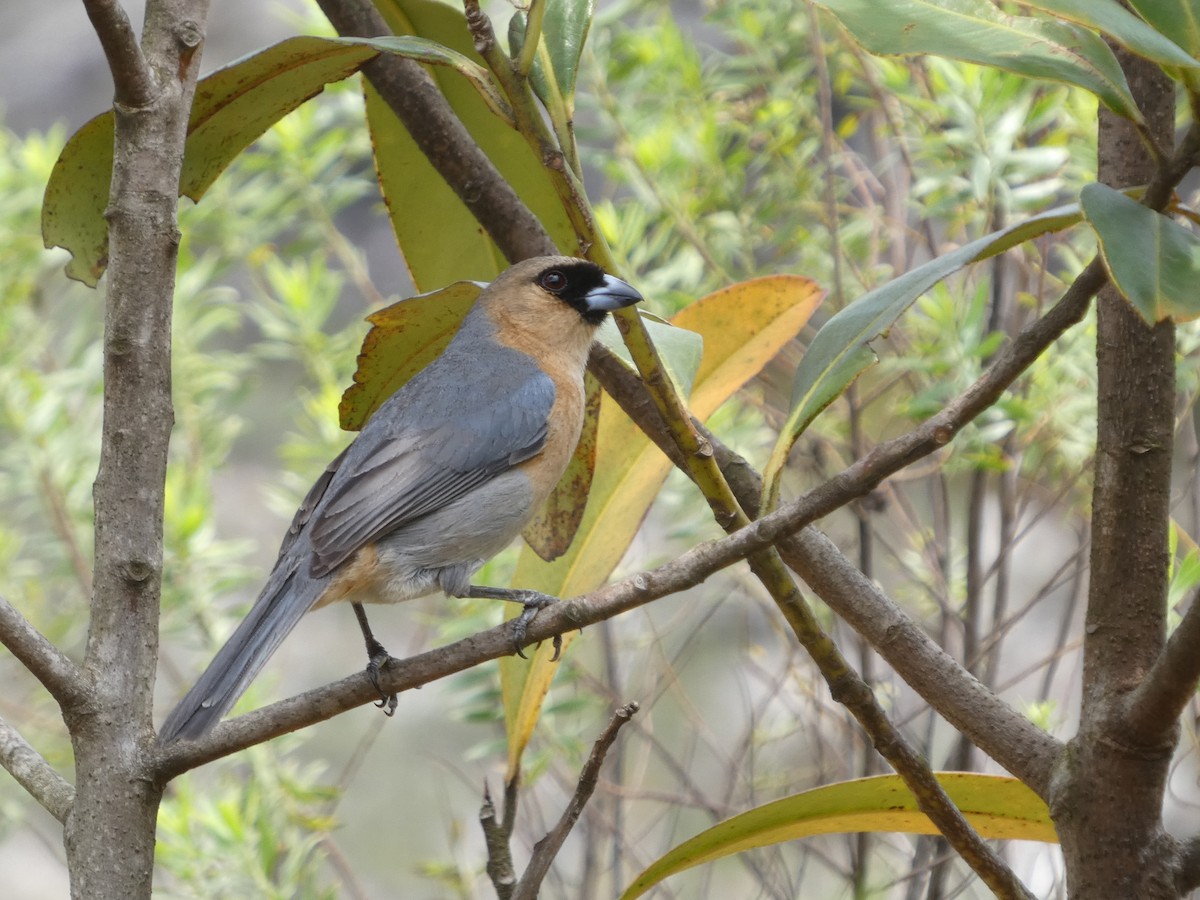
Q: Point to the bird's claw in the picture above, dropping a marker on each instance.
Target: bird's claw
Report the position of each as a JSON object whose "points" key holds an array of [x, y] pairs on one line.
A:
{"points": [[532, 602], [378, 660]]}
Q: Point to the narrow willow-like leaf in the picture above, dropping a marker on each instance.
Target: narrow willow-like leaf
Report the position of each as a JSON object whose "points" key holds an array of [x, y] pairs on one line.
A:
{"points": [[976, 31], [1114, 20], [1178, 19], [996, 806], [841, 349]]}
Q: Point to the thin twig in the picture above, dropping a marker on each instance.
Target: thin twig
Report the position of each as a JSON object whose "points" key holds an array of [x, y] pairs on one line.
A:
{"points": [[547, 848], [496, 834], [49, 665], [132, 77], [33, 773]]}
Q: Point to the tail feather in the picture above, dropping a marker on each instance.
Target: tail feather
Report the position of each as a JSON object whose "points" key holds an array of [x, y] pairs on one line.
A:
{"points": [[286, 598]]}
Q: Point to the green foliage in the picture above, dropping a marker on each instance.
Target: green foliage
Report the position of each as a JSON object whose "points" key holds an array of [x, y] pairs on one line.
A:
{"points": [[727, 164], [254, 829]]}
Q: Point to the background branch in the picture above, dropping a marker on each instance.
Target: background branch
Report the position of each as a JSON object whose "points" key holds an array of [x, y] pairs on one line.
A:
{"points": [[545, 850], [32, 772], [49, 665]]}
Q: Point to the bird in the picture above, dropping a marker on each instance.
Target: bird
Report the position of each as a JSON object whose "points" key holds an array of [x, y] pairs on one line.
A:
{"points": [[445, 473]]}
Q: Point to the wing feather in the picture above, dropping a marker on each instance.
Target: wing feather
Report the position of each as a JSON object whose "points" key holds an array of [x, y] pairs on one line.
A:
{"points": [[443, 434]]}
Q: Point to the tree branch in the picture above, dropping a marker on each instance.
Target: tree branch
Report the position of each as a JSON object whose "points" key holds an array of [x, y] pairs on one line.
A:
{"points": [[49, 665], [116, 803], [547, 848], [1153, 707], [1170, 685], [497, 835], [33, 773], [1006, 735], [687, 570], [131, 75]]}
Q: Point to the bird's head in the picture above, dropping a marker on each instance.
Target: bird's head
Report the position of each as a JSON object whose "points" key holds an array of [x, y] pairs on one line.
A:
{"points": [[555, 301]]}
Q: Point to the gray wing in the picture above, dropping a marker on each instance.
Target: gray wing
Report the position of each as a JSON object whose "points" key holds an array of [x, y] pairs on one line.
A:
{"points": [[443, 434]]}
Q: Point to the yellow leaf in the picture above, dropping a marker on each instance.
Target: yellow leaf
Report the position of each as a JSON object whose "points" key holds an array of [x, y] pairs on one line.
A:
{"points": [[744, 326], [996, 806]]}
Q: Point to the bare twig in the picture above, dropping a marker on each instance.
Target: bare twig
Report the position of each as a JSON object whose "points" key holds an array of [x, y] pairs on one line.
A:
{"points": [[33, 773], [131, 74], [49, 665], [497, 833], [547, 848]]}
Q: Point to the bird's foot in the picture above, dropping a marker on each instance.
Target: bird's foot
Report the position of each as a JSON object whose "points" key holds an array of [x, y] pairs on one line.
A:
{"points": [[532, 602], [378, 659]]}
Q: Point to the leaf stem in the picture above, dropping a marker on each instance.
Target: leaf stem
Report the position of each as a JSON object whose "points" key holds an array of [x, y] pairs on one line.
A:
{"points": [[533, 38]]}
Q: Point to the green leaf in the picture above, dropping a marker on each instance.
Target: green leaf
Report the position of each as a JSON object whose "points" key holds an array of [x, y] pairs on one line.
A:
{"points": [[1179, 19], [564, 30], [1153, 261], [976, 31], [841, 350], [440, 247], [997, 807], [1114, 20], [743, 327], [441, 240], [232, 108]]}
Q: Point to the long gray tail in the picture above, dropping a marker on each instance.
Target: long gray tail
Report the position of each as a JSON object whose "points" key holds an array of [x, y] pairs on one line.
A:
{"points": [[287, 596]]}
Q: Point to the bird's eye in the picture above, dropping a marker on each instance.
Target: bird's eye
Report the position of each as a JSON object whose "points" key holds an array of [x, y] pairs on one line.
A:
{"points": [[554, 281]]}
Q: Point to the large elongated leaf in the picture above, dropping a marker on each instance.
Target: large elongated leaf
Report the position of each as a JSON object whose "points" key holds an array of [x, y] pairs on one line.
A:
{"points": [[441, 241], [564, 31], [743, 326], [232, 108], [841, 350], [1153, 261], [976, 31], [1114, 20], [996, 806]]}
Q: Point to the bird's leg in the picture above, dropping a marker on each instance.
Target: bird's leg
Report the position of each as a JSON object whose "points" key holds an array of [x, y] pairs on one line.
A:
{"points": [[532, 601], [377, 658]]}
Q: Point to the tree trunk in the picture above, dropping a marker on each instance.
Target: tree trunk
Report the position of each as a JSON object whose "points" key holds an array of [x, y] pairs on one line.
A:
{"points": [[111, 826], [1107, 801]]}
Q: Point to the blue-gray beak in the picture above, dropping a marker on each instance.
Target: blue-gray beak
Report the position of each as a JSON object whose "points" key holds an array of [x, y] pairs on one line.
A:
{"points": [[613, 293]]}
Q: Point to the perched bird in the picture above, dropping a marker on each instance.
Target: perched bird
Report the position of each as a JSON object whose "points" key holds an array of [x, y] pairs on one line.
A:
{"points": [[441, 478]]}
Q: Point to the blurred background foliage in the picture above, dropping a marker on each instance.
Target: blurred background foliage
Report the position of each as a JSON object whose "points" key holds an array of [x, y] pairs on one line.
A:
{"points": [[723, 140]]}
